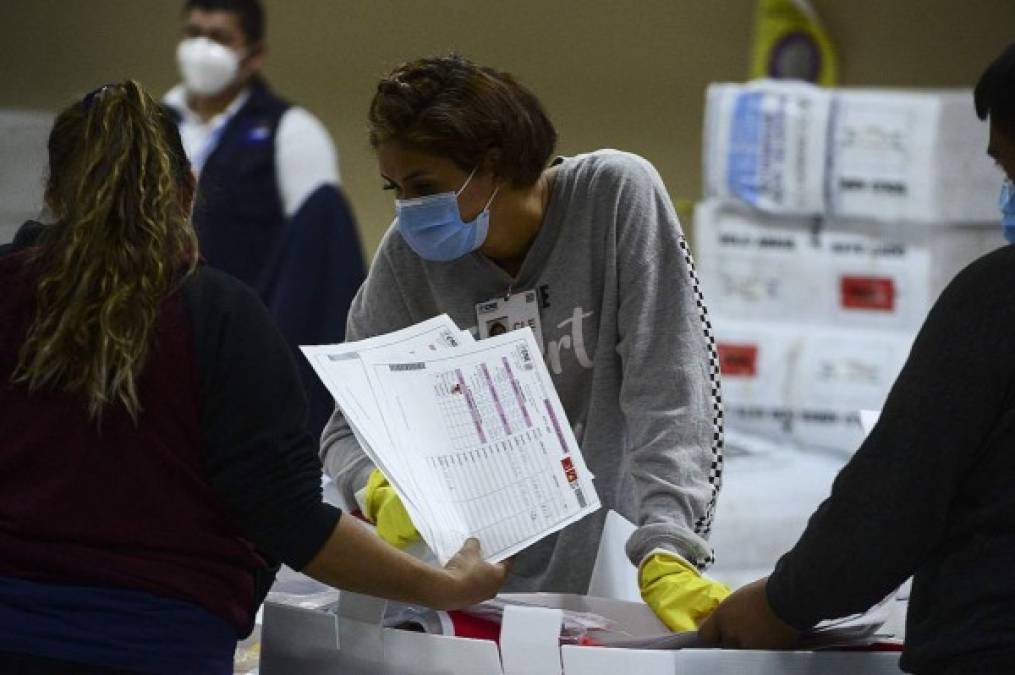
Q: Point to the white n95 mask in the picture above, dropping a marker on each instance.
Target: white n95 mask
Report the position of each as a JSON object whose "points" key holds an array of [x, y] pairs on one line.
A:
{"points": [[206, 67]]}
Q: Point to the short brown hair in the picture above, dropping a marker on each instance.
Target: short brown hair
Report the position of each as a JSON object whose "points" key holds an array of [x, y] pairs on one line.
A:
{"points": [[449, 106]]}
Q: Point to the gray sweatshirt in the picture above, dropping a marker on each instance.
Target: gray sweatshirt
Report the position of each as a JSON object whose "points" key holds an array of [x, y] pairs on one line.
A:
{"points": [[627, 342]]}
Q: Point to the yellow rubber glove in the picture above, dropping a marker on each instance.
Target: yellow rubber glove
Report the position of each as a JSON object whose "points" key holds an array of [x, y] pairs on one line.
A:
{"points": [[385, 510], [676, 591]]}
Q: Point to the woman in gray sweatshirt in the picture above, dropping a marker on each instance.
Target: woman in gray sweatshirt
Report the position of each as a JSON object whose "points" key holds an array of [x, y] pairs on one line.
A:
{"points": [[586, 249]]}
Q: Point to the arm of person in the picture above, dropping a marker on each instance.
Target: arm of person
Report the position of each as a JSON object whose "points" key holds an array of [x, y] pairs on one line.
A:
{"points": [[670, 400], [321, 233], [259, 459], [318, 266], [890, 506], [670, 388], [305, 158], [262, 464], [357, 560]]}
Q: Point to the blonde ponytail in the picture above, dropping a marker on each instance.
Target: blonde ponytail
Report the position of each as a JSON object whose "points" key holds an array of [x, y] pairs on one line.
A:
{"points": [[121, 243]]}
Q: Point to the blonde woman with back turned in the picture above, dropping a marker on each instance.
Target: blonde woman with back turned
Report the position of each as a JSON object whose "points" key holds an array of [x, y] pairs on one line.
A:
{"points": [[154, 470]]}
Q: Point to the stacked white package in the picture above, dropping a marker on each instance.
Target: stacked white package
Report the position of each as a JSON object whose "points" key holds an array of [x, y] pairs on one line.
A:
{"points": [[771, 486], [766, 144], [884, 155], [828, 272], [806, 383], [916, 156], [758, 360], [757, 266], [841, 372], [889, 275]]}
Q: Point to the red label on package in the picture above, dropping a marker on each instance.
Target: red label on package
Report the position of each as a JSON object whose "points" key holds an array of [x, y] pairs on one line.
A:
{"points": [[738, 360], [569, 470], [877, 293]]}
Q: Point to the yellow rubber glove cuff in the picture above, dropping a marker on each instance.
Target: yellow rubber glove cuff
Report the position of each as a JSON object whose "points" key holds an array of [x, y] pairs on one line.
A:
{"points": [[677, 593], [386, 511]]}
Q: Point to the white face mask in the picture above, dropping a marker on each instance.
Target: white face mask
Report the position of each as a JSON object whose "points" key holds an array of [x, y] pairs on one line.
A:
{"points": [[206, 67]]}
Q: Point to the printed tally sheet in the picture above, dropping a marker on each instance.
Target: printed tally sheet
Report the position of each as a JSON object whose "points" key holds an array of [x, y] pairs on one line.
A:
{"points": [[471, 435]]}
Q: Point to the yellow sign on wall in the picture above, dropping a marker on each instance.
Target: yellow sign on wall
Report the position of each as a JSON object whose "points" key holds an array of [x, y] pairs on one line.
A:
{"points": [[790, 42]]}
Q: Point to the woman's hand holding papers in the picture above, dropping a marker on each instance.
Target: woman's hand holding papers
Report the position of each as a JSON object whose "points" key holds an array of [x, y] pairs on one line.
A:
{"points": [[745, 620], [472, 579], [354, 559]]}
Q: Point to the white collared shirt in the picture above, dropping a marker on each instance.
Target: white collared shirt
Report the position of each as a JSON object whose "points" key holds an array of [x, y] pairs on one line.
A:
{"points": [[305, 156]]}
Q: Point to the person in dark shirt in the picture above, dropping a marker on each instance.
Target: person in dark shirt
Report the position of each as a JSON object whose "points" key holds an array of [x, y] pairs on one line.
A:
{"points": [[154, 464], [929, 493]]}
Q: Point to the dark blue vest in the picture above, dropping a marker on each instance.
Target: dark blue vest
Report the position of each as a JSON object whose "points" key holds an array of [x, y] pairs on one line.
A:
{"points": [[238, 213]]}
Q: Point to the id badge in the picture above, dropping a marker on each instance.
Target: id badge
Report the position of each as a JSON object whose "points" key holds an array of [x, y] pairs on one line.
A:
{"points": [[505, 314]]}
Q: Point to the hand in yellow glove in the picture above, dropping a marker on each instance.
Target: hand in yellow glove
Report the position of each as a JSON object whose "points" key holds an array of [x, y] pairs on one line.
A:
{"points": [[676, 591], [386, 511]]}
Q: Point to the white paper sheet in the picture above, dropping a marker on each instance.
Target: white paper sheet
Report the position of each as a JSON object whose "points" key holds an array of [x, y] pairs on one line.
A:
{"points": [[483, 433], [472, 436], [868, 418], [340, 368]]}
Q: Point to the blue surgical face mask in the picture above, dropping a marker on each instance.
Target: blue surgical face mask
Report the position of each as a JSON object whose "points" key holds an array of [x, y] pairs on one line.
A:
{"points": [[434, 228], [1007, 205]]}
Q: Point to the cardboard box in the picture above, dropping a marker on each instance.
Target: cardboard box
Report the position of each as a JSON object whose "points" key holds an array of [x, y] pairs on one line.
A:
{"points": [[770, 490], [298, 641], [591, 661], [757, 266], [856, 274], [757, 361], [918, 156], [348, 639], [765, 144], [805, 383], [847, 371], [887, 155], [824, 429]]}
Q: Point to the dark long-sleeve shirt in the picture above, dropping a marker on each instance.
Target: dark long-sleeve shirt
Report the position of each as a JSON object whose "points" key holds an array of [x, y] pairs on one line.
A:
{"points": [[931, 492], [197, 502]]}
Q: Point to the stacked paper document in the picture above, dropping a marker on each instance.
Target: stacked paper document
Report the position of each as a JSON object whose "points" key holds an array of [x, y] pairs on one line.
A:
{"points": [[471, 435]]}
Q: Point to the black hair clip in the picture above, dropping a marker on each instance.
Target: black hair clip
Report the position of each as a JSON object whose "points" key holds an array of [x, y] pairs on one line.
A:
{"points": [[89, 99]]}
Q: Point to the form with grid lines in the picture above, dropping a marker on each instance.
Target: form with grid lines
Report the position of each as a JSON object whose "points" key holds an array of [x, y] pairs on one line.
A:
{"points": [[483, 432]]}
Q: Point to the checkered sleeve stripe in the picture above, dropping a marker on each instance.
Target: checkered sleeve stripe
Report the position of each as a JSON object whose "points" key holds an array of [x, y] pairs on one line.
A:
{"points": [[703, 526]]}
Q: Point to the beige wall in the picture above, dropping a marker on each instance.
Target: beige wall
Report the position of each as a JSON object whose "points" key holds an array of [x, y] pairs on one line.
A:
{"points": [[627, 74]]}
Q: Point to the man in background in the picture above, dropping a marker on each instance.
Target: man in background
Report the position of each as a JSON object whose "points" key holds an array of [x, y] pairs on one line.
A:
{"points": [[270, 208]]}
